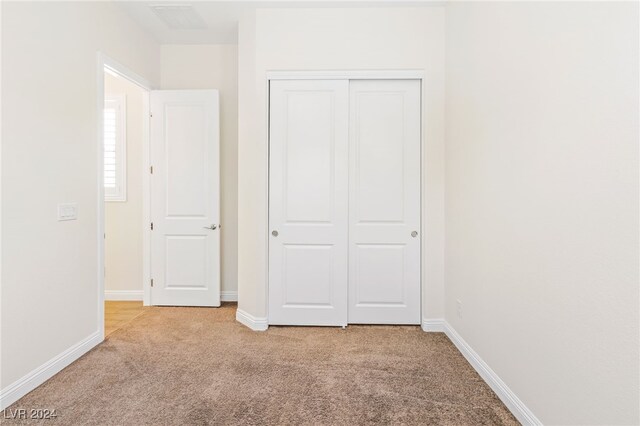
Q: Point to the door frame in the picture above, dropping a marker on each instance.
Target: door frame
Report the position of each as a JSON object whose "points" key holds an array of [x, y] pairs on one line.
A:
{"points": [[399, 74], [105, 62]]}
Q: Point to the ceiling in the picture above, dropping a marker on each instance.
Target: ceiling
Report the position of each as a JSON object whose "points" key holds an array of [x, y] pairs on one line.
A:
{"points": [[221, 18]]}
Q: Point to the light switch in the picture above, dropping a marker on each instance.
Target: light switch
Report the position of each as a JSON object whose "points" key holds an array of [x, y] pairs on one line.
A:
{"points": [[68, 211]]}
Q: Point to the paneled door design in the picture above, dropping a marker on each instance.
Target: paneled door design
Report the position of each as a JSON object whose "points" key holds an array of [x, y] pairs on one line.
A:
{"points": [[384, 202], [344, 202], [308, 186], [185, 194]]}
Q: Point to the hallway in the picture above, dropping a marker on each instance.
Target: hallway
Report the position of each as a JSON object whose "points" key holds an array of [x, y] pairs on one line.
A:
{"points": [[119, 313]]}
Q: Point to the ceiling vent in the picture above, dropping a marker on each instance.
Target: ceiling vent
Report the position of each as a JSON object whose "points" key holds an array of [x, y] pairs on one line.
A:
{"points": [[179, 16]]}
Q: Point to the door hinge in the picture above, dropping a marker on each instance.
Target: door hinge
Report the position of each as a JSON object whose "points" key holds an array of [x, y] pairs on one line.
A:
{"points": [[151, 282], [152, 226], [151, 169]]}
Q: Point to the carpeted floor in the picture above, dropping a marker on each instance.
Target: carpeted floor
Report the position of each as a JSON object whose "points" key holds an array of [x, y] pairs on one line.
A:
{"points": [[181, 366]]}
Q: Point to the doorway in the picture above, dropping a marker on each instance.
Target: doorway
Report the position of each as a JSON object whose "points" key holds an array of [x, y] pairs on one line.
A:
{"points": [[123, 122], [123, 135], [181, 174]]}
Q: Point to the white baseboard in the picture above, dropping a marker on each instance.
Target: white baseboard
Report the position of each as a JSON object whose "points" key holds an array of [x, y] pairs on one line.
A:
{"points": [[228, 296], [123, 294], [254, 323], [26, 384], [433, 325], [506, 395]]}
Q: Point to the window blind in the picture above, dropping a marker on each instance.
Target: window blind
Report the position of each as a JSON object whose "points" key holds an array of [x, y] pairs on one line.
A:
{"points": [[114, 149]]}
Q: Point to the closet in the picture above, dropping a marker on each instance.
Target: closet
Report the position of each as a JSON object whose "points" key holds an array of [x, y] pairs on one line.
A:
{"points": [[344, 202]]}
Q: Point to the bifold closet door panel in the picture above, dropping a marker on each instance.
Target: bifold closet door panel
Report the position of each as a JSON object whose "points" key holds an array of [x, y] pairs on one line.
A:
{"points": [[384, 202], [308, 202]]}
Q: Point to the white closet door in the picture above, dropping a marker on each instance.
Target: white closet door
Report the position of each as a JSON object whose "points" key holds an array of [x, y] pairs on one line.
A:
{"points": [[384, 202], [308, 188]]}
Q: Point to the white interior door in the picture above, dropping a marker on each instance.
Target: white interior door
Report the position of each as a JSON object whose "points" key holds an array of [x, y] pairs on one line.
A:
{"points": [[384, 202], [308, 186], [185, 194]]}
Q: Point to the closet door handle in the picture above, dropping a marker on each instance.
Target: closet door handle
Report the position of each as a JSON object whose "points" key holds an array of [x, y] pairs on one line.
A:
{"points": [[414, 234], [274, 233], [212, 227]]}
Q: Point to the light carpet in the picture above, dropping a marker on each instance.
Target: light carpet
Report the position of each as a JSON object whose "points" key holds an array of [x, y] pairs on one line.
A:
{"points": [[183, 366]]}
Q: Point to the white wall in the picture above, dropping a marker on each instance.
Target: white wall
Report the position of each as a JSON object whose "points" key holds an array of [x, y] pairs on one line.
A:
{"points": [[251, 294], [49, 144], [541, 173], [343, 39], [1, 220], [123, 220], [215, 67], [542, 201]]}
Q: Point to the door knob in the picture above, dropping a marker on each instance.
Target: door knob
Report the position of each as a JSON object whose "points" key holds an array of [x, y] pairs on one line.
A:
{"points": [[212, 227], [274, 233], [414, 234]]}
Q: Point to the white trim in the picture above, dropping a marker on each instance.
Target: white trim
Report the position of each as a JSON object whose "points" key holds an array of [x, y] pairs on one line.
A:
{"points": [[436, 325], [254, 323], [123, 294], [228, 296], [506, 395], [267, 172], [146, 200], [100, 208], [119, 69], [35, 378], [346, 75], [423, 199]]}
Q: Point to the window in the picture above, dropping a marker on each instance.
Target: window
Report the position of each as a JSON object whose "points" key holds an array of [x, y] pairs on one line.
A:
{"points": [[115, 149]]}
